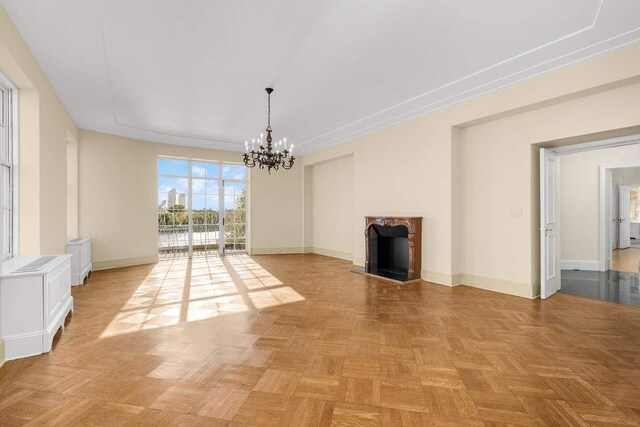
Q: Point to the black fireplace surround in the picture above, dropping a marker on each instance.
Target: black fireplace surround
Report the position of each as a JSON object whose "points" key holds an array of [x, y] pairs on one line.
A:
{"points": [[389, 251]]}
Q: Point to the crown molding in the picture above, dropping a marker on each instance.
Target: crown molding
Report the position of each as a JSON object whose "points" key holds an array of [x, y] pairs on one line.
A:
{"points": [[492, 78]]}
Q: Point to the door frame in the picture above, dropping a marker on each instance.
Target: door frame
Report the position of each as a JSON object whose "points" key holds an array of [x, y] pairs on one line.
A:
{"points": [[605, 247], [576, 148]]}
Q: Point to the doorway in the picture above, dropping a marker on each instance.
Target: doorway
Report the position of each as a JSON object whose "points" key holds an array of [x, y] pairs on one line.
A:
{"points": [[202, 207], [584, 203], [621, 219]]}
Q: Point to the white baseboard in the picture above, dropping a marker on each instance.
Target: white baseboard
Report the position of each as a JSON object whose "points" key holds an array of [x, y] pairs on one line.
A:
{"points": [[276, 251], [358, 261], [2, 359], [580, 264], [440, 278], [330, 252], [126, 262], [524, 290]]}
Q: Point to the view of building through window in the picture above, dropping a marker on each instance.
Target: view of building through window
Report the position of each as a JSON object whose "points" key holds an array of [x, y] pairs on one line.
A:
{"points": [[198, 199]]}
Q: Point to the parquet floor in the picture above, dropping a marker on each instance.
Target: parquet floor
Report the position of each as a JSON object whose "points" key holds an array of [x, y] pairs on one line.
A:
{"points": [[626, 259], [299, 340]]}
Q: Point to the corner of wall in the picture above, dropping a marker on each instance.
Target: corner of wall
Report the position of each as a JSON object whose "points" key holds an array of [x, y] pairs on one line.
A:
{"points": [[440, 278]]}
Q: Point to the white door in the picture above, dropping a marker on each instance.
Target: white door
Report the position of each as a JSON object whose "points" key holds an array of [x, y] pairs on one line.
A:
{"points": [[625, 216], [550, 268], [611, 197]]}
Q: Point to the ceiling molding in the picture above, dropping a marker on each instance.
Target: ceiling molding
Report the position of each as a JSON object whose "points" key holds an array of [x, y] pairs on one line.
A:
{"points": [[345, 134], [517, 68]]}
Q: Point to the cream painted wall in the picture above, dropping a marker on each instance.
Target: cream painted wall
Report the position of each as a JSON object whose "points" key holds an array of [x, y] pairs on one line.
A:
{"points": [[72, 188], [277, 210], [118, 206], [43, 129], [331, 212], [628, 176], [493, 132], [579, 207], [463, 168]]}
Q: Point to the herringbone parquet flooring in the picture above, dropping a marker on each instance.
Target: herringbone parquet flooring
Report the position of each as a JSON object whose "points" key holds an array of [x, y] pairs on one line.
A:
{"points": [[299, 340]]}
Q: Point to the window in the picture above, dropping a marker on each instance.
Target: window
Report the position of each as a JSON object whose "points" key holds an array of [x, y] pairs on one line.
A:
{"points": [[196, 200], [7, 170]]}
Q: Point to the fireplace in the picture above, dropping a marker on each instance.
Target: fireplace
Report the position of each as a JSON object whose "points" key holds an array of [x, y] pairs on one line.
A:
{"points": [[393, 247]]}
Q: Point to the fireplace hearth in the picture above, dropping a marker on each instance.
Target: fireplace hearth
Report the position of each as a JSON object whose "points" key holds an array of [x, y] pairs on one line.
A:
{"points": [[393, 247]]}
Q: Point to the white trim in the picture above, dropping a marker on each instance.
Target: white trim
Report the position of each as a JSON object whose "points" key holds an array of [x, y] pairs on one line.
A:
{"points": [[15, 163], [602, 219], [277, 251], [604, 245], [580, 264], [330, 253], [124, 262], [597, 145], [524, 290], [440, 278], [405, 110]]}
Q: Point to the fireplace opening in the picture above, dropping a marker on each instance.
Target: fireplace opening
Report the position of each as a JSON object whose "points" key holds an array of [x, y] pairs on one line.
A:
{"points": [[389, 251]]}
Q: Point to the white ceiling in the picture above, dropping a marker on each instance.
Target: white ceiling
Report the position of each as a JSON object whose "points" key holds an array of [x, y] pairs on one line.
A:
{"points": [[193, 72]]}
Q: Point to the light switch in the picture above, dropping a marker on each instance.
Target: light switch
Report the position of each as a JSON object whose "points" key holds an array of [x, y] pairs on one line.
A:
{"points": [[515, 212]]}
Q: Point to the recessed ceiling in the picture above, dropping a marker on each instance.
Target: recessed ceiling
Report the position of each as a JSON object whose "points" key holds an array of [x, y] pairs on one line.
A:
{"points": [[193, 72]]}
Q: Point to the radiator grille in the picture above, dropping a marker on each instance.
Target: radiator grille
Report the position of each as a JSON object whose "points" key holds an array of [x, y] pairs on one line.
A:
{"points": [[35, 265]]}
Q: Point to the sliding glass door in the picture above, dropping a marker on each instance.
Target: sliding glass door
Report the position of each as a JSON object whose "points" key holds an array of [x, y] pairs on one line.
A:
{"points": [[196, 201]]}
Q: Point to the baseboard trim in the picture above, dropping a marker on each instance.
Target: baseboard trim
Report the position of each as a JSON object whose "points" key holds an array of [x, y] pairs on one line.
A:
{"points": [[440, 278], [125, 262], [2, 358], [331, 253], [580, 264], [276, 251], [523, 290], [358, 261]]}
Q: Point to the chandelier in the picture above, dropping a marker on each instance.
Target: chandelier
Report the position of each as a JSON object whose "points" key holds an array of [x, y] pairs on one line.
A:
{"points": [[272, 156]]}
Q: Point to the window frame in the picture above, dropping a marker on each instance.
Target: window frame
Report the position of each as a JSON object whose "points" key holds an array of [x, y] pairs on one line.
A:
{"points": [[13, 163], [220, 180]]}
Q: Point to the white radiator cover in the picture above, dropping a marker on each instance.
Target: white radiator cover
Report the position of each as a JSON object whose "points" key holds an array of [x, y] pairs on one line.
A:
{"points": [[81, 267], [33, 305]]}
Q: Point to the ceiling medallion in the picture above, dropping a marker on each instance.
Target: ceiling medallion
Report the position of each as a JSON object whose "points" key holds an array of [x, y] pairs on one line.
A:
{"points": [[274, 155]]}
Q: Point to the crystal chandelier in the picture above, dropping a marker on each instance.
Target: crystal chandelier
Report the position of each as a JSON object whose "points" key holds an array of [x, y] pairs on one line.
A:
{"points": [[275, 155]]}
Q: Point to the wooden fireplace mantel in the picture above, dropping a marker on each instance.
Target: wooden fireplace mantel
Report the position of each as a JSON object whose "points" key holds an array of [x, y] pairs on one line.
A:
{"points": [[414, 228]]}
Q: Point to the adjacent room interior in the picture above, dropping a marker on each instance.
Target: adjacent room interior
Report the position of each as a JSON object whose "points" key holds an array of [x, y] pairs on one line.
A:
{"points": [[319, 213], [598, 196]]}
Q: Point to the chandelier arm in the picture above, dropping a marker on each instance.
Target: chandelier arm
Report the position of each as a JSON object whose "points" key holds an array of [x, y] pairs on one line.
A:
{"points": [[269, 156]]}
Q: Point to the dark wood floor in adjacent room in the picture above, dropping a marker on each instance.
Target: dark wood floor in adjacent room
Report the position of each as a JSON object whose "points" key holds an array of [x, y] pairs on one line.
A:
{"points": [[300, 340]]}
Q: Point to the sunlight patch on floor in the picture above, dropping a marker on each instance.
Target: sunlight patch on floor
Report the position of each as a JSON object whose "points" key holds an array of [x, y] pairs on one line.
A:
{"points": [[181, 290]]}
